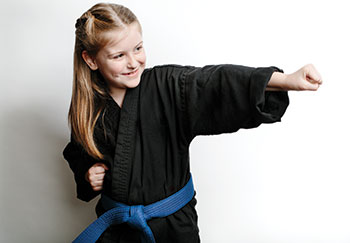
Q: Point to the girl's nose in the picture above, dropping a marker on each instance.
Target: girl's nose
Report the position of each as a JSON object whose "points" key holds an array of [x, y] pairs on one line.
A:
{"points": [[132, 63]]}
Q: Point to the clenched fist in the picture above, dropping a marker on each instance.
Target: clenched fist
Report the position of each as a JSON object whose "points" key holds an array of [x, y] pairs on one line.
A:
{"points": [[95, 176], [306, 78]]}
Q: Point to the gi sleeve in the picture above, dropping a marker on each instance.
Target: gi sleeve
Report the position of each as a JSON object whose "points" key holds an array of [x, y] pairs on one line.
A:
{"points": [[224, 98], [80, 162]]}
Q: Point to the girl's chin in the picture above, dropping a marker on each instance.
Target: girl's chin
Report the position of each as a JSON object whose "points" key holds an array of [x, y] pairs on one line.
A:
{"points": [[132, 83], [125, 83]]}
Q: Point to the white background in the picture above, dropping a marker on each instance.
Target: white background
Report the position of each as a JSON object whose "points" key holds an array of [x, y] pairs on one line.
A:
{"points": [[281, 183]]}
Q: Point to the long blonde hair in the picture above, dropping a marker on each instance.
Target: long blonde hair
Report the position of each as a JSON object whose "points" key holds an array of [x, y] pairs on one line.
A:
{"points": [[89, 88]]}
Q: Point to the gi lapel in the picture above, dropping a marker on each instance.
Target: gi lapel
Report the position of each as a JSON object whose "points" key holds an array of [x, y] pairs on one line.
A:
{"points": [[124, 153]]}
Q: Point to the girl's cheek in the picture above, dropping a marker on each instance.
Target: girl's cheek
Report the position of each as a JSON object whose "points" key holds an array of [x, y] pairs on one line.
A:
{"points": [[143, 56], [116, 74], [116, 70]]}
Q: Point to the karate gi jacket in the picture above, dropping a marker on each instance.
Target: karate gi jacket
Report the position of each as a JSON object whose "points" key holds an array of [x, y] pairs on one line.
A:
{"points": [[146, 142]]}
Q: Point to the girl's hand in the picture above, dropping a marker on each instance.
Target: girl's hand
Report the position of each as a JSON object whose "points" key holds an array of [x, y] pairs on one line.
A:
{"points": [[306, 78], [95, 176]]}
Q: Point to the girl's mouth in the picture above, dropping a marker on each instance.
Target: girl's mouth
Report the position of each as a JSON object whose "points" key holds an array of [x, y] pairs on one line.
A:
{"points": [[131, 73]]}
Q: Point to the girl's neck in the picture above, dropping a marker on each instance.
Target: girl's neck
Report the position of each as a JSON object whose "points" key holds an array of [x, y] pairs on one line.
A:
{"points": [[118, 96]]}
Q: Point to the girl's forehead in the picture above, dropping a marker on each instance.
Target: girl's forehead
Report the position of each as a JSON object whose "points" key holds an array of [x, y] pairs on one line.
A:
{"points": [[123, 38]]}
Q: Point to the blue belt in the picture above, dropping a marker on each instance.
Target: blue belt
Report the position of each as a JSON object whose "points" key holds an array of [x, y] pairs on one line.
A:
{"points": [[136, 216]]}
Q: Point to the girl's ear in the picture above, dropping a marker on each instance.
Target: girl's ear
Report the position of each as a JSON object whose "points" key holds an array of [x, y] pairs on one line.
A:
{"points": [[90, 61]]}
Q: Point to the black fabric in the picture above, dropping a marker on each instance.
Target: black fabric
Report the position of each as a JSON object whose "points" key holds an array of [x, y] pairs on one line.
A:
{"points": [[148, 157]]}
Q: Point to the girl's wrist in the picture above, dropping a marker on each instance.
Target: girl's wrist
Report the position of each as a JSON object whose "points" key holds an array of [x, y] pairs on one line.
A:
{"points": [[278, 81]]}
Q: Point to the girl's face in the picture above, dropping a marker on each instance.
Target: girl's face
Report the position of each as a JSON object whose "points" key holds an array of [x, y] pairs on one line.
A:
{"points": [[122, 61]]}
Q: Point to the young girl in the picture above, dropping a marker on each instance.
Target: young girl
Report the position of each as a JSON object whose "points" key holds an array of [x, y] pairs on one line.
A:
{"points": [[132, 127]]}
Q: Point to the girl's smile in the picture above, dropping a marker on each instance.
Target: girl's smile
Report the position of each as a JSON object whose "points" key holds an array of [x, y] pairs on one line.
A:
{"points": [[131, 74]]}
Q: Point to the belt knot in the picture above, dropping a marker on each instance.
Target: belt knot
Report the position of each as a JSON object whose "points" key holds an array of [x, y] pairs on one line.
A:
{"points": [[137, 217]]}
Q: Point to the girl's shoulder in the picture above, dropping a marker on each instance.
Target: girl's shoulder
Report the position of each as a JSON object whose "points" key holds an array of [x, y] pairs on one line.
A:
{"points": [[168, 68], [166, 72]]}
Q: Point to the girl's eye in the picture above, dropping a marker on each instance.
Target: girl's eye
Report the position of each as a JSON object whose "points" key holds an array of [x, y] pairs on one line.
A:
{"points": [[118, 56], [138, 48]]}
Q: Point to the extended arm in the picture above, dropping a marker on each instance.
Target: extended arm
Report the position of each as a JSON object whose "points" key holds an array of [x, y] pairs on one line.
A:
{"points": [[306, 78], [225, 98]]}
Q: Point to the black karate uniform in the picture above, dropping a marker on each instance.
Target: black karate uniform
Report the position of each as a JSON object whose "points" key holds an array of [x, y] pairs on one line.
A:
{"points": [[146, 143]]}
